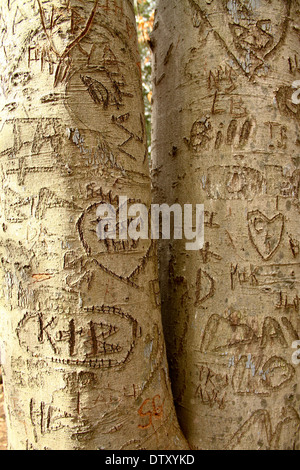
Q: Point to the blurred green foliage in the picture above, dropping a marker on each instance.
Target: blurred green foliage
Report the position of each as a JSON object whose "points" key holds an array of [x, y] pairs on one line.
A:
{"points": [[145, 18]]}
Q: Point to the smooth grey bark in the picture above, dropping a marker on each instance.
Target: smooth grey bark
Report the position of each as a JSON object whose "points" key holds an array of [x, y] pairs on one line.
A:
{"points": [[82, 347], [226, 135]]}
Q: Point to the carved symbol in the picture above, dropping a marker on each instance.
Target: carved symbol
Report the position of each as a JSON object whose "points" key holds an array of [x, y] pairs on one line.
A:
{"points": [[294, 64], [236, 132], [18, 208], [251, 37], [205, 287], [45, 417], [265, 234], [154, 285], [61, 20], [221, 333], [119, 121], [209, 220], [207, 254], [252, 378], [104, 337], [285, 103], [47, 199], [273, 278], [223, 79], [97, 90], [211, 387], [40, 133], [246, 183], [295, 247], [94, 151], [241, 276], [235, 106], [278, 134], [116, 6], [200, 135], [24, 151], [257, 432], [108, 94], [287, 303], [103, 85], [98, 250]]}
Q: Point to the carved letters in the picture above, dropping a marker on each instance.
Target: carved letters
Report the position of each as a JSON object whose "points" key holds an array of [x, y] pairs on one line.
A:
{"points": [[245, 183], [249, 33], [105, 339]]}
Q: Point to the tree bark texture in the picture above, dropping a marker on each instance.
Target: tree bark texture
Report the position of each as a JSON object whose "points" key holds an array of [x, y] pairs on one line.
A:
{"points": [[226, 134], [82, 346]]}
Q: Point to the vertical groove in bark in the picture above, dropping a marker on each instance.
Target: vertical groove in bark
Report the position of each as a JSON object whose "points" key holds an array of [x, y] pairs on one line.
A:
{"points": [[82, 346], [222, 98]]}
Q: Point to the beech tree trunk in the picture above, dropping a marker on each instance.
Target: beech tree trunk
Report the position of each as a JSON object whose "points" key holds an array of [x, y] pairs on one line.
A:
{"points": [[82, 346], [226, 135]]}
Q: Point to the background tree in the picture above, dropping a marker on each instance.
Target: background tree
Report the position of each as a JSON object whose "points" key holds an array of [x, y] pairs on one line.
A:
{"points": [[145, 18], [226, 134], [81, 341]]}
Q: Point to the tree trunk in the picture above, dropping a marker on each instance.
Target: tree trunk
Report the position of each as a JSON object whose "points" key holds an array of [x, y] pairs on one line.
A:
{"points": [[226, 134], [82, 345]]}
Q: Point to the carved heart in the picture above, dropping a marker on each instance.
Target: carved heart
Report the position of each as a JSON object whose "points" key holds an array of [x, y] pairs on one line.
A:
{"points": [[265, 234], [61, 18], [122, 258], [248, 37]]}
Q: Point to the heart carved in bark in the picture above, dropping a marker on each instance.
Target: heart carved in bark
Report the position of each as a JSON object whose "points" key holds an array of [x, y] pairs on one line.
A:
{"points": [[265, 234], [121, 258], [62, 19], [251, 33], [64, 26]]}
